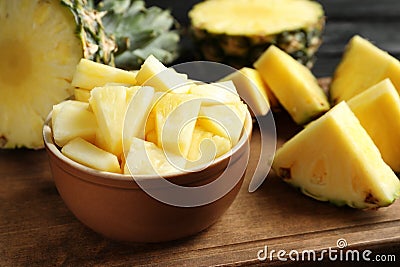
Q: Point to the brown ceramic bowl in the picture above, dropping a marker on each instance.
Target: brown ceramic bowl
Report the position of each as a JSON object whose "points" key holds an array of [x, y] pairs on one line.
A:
{"points": [[115, 206]]}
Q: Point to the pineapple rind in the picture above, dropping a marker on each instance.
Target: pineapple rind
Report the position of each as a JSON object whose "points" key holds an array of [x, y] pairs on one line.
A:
{"points": [[334, 159]]}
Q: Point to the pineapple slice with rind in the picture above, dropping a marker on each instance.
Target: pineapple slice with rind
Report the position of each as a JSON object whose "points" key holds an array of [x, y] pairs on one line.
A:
{"points": [[90, 74], [146, 158], [378, 109], [109, 106], [362, 66], [334, 159], [71, 119], [153, 73], [91, 156], [252, 89], [293, 84]]}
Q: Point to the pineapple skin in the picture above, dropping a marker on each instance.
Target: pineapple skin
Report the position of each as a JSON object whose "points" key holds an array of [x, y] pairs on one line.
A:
{"points": [[334, 159], [241, 50]]}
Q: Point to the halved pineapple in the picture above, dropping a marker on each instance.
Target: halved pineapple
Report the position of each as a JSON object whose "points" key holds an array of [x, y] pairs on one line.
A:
{"points": [[109, 106], [35, 71], [293, 84], [90, 74], [90, 155], [334, 159], [71, 119], [378, 109], [362, 66]]}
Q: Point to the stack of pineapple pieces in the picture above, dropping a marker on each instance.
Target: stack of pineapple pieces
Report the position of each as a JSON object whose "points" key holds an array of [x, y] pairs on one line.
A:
{"points": [[152, 121], [346, 154]]}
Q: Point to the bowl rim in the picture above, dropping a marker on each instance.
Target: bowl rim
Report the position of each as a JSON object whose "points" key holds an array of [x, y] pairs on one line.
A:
{"points": [[53, 149]]}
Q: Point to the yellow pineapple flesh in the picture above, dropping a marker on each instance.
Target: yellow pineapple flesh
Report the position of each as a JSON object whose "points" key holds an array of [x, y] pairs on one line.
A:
{"points": [[35, 72], [378, 109], [362, 66]]}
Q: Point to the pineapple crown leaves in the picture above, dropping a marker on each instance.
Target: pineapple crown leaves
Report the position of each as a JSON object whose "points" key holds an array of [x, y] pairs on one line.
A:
{"points": [[97, 44], [140, 31]]}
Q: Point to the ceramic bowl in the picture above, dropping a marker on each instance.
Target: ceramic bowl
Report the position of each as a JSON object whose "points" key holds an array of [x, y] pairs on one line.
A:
{"points": [[115, 206]]}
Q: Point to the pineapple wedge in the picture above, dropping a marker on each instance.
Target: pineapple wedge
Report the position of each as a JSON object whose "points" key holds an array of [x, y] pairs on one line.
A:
{"points": [[90, 74], [334, 159], [252, 89], [175, 119], [137, 114], [146, 158], [109, 106], [82, 95], [378, 109], [293, 84], [224, 120], [71, 119], [90, 155], [216, 93], [362, 66], [153, 73]]}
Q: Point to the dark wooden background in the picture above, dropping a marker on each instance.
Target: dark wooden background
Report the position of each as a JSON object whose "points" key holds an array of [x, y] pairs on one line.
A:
{"points": [[37, 229]]}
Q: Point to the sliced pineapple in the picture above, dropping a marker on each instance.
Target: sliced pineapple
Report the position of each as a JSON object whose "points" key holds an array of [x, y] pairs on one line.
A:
{"points": [[378, 109], [137, 113], [216, 93], [71, 119], [175, 119], [35, 71], [153, 73], [293, 84], [146, 158], [334, 159], [252, 89], [224, 120], [90, 74], [90, 155], [109, 106], [362, 66]]}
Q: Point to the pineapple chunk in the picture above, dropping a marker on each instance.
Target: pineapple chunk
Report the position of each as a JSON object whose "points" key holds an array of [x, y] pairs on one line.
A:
{"points": [[91, 156], [146, 158], [334, 159], [175, 119], [82, 95], [378, 109], [252, 89], [136, 115], [205, 147], [109, 105], [224, 120], [293, 84], [153, 73], [90, 74], [71, 119], [362, 66], [216, 93]]}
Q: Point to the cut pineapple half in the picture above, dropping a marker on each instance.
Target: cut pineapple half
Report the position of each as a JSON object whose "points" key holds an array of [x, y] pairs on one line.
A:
{"points": [[293, 84], [362, 66], [378, 109], [35, 72], [334, 159]]}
